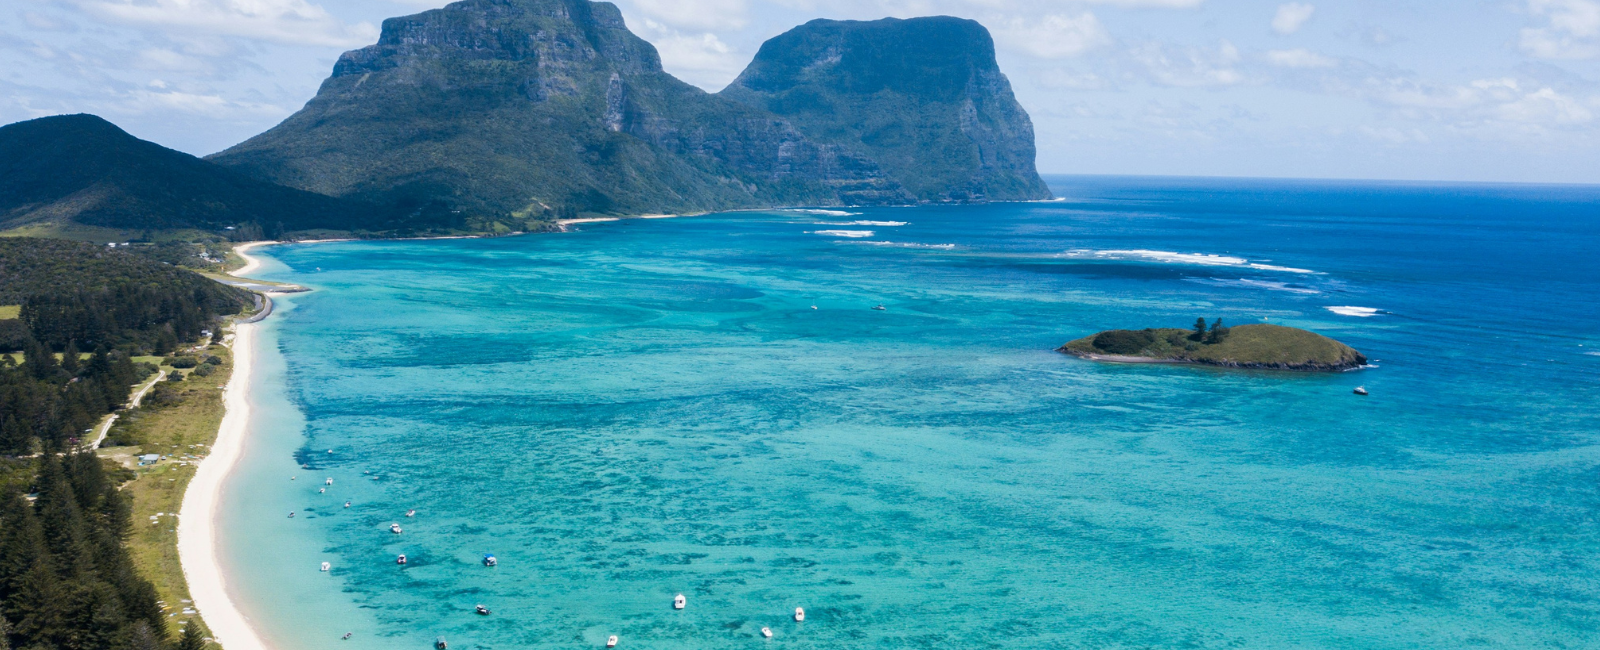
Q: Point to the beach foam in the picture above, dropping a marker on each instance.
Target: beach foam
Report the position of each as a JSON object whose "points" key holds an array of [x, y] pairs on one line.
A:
{"points": [[1195, 259], [1358, 312], [844, 233], [861, 223]]}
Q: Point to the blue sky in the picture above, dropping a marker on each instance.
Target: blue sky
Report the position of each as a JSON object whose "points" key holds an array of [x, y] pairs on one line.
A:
{"points": [[1499, 90]]}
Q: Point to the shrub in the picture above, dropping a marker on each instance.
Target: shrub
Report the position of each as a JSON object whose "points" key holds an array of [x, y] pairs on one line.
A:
{"points": [[1123, 341], [215, 361], [204, 370], [184, 362]]}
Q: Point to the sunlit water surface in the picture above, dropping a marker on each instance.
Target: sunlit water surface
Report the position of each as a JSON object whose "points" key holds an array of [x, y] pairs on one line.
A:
{"points": [[643, 408]]}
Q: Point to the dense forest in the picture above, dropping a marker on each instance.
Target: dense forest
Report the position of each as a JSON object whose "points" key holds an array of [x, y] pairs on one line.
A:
{"points": [[66, 579], [91, 296]]}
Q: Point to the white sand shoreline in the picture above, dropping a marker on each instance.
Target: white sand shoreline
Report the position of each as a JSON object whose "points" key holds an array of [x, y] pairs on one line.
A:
{"points": [[197, 522]]}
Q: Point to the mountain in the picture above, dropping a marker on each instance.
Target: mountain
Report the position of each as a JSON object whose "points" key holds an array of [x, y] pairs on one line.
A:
{"points": [[83, 169], [923, 98], [526, 109]]}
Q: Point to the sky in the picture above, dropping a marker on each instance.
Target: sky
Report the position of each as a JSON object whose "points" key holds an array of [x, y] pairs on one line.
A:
{"points": [[1460, 90]]}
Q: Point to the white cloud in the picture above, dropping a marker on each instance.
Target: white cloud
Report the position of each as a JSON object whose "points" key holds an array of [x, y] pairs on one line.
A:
{"points": [[696, 14], [1571, 30], [158, 100], [283, 21], [701, 59], [1190, 67], [1300, 58], [1055, 36], [1395, 135], [1291, 17]]}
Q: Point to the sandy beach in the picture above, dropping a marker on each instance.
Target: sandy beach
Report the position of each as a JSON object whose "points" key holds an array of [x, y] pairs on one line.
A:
{"points": [[197, 526]]}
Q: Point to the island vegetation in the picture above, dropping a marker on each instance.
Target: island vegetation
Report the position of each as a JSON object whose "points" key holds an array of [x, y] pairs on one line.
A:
{"points": [[1260, 345], [88, 322]]}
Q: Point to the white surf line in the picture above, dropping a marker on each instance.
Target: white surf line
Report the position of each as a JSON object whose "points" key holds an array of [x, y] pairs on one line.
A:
{"points": [[197, 519], [133, 403]]}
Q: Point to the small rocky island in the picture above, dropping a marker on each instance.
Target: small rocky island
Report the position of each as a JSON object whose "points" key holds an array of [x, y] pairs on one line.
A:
{"points": [[1247, 346]]}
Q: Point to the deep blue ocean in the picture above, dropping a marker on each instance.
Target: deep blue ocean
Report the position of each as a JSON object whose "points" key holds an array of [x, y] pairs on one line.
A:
{"points": [[642, 408]]}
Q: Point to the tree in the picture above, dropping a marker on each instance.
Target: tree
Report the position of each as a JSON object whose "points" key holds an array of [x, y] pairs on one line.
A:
{"points": [[1218, 332], [1199, 330], [69, 358], [141, 638], [191, 639]]}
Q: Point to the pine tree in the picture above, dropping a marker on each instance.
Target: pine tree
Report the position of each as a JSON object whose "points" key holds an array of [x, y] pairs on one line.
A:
{"points": [[5, 634], [1199, 330], [39, 361], [141, 638], [1218, 332], [69, 358], [191, 639]]}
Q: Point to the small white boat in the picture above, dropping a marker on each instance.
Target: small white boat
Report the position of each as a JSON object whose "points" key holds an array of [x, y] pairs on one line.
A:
{"points": [[611, 641], [347, 504], [879, 308], [799, 614], [322, 490], [411, 513], [401, 559], [490, 560], [440, 644], [330, 451], [328, 482], [766, 632], [326, 566], [679, 602], [813, 306], [291, 514], [1360, 390], [482, 611], [394, 528]]}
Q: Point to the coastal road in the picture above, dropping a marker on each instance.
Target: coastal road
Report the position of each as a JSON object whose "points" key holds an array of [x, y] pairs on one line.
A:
{"points": [[133, 402]]}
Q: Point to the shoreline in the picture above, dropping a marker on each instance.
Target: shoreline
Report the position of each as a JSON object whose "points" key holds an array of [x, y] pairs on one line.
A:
{"points": [[197, 520]]}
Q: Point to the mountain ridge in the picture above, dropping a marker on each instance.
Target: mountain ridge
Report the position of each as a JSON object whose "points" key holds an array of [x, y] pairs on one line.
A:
{"points": [[534, 109]]}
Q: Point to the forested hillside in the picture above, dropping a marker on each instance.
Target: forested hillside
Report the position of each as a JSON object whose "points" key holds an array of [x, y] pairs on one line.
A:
{"points": [[92, 296], [85, 170], [66, 579]]}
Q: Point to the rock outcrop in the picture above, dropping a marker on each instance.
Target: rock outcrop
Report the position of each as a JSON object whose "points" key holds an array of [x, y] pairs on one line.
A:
{"points": [[530, 109], [923, 98]]}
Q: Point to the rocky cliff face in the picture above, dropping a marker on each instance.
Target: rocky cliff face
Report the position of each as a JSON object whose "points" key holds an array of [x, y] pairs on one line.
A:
{"points": [[521, 109], [924, 98]]}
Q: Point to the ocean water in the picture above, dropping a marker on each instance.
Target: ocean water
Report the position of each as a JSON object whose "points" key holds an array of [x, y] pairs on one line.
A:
{"points": [[643, 408]]}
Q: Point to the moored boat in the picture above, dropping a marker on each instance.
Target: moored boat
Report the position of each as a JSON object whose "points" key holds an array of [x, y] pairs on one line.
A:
{"points": [[611, 641], [490, 560], [482, 611], [401, 559], [1360, 390], [799, 614], [394, 528], [766, 632], [326, 566], [440, 644], [679, 602]]}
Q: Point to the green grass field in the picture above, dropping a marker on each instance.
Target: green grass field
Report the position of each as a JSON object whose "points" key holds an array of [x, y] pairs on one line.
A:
{"points": [[183, 430], [10, 311]]}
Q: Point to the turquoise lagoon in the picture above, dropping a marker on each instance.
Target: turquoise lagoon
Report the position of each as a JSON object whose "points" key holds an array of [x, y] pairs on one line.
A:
{"points": [[643, 408]]}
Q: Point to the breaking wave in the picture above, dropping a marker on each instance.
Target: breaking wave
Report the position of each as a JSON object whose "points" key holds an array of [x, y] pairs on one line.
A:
{"points": [[844, 233], [907, 244], [1358, 312], [824, 213], [1195, 259], [861, 223]]}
